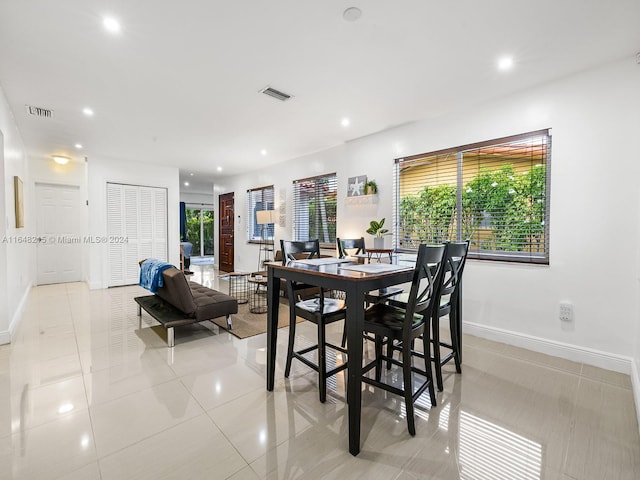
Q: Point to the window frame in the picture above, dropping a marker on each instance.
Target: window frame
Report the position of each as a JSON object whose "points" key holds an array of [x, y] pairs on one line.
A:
{"points": [[252, 225], [543, 136], [297, 231]]}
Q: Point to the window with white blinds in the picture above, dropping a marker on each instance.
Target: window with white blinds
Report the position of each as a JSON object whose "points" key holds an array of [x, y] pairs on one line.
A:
{"points": [[494, 193], [136, 229], [314, 209], [259, 199]]}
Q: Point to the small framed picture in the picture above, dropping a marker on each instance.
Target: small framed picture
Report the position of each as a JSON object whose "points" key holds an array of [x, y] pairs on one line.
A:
{"points": [[19, 201], [356, 186]]}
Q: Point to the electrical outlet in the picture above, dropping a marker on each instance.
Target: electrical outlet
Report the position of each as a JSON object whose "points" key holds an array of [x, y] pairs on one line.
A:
{"points": [[566, 312]]}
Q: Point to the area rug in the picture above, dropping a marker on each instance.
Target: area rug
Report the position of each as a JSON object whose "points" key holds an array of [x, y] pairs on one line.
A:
{"points": [[246, 324]]}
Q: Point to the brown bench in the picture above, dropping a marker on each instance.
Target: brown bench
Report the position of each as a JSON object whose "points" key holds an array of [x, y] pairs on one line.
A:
{"points": [[181, 302]]}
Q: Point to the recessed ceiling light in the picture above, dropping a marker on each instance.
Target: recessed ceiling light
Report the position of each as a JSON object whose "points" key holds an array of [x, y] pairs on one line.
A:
{"points": [[60, 160], [219, 169], [186, 184], [87, 111], [345, 122], [111, 24], [505, 63], [78, 146], [191, 174], [352, 14], [263, 152]]}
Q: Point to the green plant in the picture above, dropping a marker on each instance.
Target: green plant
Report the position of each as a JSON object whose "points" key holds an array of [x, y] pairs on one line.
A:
{"points": [[371, 187], [375, 228]]}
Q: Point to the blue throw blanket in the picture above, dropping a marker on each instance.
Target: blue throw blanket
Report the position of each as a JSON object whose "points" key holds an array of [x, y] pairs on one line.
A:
{"points": [[151, 274]]}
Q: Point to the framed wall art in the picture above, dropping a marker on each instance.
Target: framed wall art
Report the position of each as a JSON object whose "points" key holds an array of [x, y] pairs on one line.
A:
{"points": [[19, 201]]}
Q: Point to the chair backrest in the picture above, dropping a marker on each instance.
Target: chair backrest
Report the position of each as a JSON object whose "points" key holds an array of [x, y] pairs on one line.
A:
{"points": [[311, 248], [426, 282], [454, 266], [345, 244]]}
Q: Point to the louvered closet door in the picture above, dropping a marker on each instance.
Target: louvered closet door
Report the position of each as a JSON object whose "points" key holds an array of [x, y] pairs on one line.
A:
{"points": [[139, 215]]}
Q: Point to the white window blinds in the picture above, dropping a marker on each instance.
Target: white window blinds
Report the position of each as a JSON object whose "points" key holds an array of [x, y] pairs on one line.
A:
{"points": [[314, 209], [259, 199], [494, 193]]}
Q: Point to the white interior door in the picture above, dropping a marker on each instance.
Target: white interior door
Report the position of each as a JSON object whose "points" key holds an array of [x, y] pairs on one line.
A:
{"points": [[59, 253]]}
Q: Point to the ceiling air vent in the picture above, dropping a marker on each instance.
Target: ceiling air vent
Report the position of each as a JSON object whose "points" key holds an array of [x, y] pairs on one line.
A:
{"points": [[39, 112], [272, 92]]}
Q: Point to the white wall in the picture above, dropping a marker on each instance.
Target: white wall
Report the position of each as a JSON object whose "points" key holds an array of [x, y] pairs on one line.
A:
{"points": [[197, 198], [100, 172], [15, 258], [595, 122]]}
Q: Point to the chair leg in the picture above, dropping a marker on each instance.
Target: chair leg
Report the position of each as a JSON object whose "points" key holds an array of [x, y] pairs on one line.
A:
{"points": [[408, 389], [427, 368], [455, 336], [322, 362], [435, 337], [292, 337], [389, 352], [344, 335], [378, 353]]}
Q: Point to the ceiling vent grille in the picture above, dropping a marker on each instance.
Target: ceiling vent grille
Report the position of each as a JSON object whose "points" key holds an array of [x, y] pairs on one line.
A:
{"points": [[272, 92], [39, 112]]}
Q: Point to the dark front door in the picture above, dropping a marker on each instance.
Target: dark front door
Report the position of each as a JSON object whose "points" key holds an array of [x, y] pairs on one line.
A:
{"points": [[225, 231]]}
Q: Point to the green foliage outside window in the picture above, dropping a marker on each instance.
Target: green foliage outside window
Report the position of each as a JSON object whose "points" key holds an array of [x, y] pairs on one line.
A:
{"points": [[501, 211], [322, 223]]}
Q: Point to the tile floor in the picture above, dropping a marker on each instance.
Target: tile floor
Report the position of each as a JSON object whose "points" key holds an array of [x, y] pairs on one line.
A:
{"points": [[85, 394]]}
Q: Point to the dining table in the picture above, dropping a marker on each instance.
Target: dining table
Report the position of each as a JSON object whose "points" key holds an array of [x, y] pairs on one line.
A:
{"points": [[355, 280]]}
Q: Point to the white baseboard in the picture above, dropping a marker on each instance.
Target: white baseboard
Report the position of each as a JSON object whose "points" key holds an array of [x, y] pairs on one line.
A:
{"points": [[17, 317], [635, 385], [597, 358], [5, 337]]}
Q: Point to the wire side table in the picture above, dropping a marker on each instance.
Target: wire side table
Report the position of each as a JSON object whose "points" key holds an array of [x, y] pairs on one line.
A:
{"points": [[238, 287], [257, 294]]}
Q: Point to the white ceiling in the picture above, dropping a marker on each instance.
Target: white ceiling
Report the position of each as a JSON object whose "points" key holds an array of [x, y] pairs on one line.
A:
{"points": [[179, 85]]}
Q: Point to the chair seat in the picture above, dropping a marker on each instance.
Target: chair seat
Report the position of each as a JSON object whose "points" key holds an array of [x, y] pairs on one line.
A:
{"points": [[331, 305], [382, 316]]}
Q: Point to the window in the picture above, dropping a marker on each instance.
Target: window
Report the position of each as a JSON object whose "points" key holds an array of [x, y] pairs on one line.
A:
{"points": [[494, 193], [314, 209], [259, 199]]}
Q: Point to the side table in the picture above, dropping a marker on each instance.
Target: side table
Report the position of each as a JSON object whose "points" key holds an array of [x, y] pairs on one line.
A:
{"points": [[238, 286], [257, 294]]}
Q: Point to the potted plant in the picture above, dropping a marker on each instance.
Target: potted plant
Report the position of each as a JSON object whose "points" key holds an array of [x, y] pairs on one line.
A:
{"points": [[370, 187], [375, 229]]}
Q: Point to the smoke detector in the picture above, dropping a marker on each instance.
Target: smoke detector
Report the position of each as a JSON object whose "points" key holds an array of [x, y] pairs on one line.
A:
{"points": [[352, 14]]}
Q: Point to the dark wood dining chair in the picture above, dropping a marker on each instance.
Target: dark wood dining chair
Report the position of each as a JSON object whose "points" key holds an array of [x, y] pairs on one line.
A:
{"points": [[449, 304], [346, 245], [390, 323], [319, 309]]}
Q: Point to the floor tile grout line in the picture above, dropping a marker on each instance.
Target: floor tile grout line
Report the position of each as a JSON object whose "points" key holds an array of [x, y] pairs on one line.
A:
{"points": [[84, 384]]}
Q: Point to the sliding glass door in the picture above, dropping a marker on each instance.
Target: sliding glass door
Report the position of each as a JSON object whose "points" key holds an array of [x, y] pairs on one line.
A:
{"points": [[200, 230]]}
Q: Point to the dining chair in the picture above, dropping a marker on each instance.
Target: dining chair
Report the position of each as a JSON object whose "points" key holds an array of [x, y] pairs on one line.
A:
{"points": [[449, 304], [389, 323], [347, 244], [319, 309], [357, 244]]}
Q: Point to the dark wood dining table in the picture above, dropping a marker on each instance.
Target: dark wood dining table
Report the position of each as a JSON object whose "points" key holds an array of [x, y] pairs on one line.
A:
{"points": [[355, 284]]}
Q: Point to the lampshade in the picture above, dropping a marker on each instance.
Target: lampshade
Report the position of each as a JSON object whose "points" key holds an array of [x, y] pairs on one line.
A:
{"points": [[264, 217]]}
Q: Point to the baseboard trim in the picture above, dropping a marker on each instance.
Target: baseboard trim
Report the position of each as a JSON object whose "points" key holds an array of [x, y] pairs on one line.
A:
{"points": [[635, 386], [597, 358], [17, 317]]}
